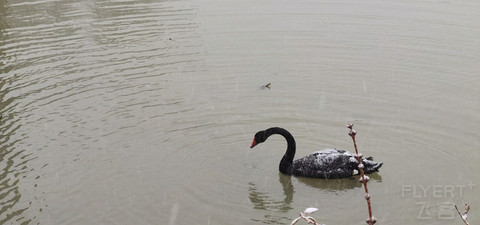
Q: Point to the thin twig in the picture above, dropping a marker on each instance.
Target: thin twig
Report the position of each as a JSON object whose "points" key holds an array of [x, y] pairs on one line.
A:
{"points": [[464, 216], [309, 219], [363, 179]]}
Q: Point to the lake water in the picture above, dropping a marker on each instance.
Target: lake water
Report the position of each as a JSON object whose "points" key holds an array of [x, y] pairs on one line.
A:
{"points": [[142, 112]]}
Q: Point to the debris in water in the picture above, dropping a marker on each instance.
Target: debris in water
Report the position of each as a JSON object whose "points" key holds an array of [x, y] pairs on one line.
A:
{"points": [[310, 210], [267, 85]]}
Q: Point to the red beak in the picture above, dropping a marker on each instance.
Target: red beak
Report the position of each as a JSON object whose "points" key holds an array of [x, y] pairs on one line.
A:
{"points": [[253, 143]]}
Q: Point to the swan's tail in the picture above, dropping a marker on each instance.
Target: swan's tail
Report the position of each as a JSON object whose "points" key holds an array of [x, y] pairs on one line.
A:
{"points": [[370, 165]]}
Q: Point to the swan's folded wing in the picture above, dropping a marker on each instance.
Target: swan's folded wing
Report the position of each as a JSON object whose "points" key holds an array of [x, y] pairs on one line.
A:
{"points": [[325, 164]]}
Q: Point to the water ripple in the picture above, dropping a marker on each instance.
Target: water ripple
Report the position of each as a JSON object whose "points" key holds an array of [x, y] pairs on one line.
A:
{"points": [[79, 76]]}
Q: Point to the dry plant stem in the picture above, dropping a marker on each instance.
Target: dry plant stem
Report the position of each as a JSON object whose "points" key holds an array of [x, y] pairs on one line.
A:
{"points": [[309, 219], [465, 214], [364, 179]]}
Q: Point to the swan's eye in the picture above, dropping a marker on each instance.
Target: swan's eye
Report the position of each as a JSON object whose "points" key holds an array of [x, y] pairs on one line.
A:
{"points": [[260, 137]]}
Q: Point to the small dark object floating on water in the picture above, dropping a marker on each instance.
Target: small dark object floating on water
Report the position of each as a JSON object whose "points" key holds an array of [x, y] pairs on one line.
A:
{"points": [[266, 86]]}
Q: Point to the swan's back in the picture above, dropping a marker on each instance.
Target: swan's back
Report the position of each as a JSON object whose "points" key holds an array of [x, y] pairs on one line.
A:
{"points": [[328, 163]]}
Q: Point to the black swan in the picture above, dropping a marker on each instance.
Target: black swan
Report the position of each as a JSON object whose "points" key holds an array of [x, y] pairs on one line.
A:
{"points": [[327, 164]]}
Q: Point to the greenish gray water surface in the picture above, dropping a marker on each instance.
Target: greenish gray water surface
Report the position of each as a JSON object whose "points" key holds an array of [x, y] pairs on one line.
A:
{"points": [[142, 112]]}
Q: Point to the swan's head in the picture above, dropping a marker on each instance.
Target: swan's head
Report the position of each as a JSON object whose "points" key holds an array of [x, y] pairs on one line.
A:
{"points": [[260, 137]]}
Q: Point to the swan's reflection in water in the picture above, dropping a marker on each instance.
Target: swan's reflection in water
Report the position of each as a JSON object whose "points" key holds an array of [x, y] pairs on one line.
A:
{"points": [[263, 201], [337, 185]]}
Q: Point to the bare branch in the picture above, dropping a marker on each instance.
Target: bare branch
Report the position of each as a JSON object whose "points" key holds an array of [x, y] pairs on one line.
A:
{"points": [[363, 178], [464, 216], [309, 219]]}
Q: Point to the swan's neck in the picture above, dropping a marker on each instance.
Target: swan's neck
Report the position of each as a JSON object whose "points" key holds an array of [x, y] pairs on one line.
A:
{"points": [[287, 160]]}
